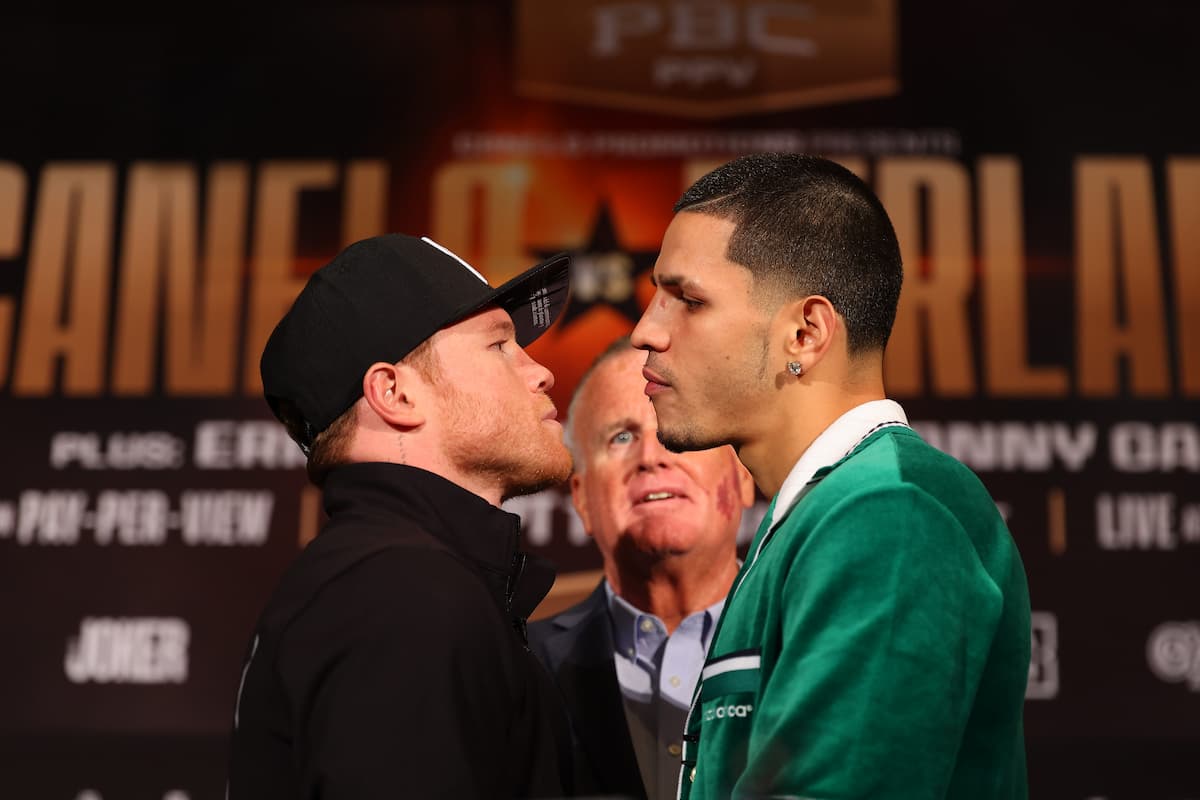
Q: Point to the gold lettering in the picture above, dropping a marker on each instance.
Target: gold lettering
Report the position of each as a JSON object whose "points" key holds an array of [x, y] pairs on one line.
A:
{"points": [[64, 312], [488, 235], [364, 204], [1117, 247], [203, 313], [202, 310], [937, 274], [1005, 316], [1183, 192], [273, 286], [159, 196], [12, 220]]}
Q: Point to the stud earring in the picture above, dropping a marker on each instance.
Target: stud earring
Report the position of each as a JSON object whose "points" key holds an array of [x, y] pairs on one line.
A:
{"points": [[796, 368]]}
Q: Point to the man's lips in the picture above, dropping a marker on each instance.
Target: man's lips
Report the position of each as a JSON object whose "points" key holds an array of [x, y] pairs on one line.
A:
{"points": [[647, 495], [655, 383]]}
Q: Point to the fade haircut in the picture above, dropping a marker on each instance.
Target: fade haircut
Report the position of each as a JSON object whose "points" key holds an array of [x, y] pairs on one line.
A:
{"points": [[331, 447], [804, 226], [615, 348]]}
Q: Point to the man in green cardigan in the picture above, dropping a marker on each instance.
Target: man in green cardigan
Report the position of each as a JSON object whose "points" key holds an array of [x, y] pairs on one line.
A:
{"points": [[876, 641]]}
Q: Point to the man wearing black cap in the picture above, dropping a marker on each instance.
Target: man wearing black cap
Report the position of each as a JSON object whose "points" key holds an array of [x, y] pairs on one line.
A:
{"points": [[391, 660]]}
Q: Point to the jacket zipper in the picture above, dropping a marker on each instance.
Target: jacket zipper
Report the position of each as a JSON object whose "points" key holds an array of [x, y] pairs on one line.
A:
{"points": [[514, 575]]}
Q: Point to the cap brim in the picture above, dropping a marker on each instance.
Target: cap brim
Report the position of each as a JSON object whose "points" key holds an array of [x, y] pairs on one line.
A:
{"points": [[535, 298]]}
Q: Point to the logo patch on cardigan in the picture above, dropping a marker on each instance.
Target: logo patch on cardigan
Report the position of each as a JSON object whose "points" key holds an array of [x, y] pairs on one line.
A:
{"points": [[740, 710]]}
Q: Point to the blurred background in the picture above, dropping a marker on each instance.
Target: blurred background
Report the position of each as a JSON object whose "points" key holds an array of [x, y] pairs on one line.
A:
{"points": [[166, 185]]}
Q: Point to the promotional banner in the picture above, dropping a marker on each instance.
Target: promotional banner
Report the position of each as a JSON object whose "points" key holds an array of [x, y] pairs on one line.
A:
{"points": [[166, 188]]}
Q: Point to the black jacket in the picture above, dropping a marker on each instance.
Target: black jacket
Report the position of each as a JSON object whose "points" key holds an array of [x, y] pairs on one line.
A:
{"points": [[576, 646], [391, 659]]}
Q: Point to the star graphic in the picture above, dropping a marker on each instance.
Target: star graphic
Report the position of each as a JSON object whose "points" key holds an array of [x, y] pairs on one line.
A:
{"points": [[603, 272]]}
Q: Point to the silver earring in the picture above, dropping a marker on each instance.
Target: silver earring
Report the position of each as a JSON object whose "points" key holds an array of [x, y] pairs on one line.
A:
{"points": [[796, 368]]}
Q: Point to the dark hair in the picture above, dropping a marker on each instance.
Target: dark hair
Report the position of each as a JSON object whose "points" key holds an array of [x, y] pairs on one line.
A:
{"points": [[331, 446], [806, 225]]}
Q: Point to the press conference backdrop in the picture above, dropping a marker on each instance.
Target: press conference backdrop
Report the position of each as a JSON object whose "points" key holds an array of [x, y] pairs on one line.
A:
{"points": [[166, 187]]}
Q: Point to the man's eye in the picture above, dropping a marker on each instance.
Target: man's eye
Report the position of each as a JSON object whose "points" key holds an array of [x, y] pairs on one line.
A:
{"points": [[621, 437], [691, 304], [499, 345]]}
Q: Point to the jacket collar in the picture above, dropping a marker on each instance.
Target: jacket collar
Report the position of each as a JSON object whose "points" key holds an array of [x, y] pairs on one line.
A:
{"points": [[470, 526], [580, 657], [841, 437], [595, 603]]}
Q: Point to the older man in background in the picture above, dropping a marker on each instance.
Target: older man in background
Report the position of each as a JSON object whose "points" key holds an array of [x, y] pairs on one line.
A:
{"points": [[627, 658]]}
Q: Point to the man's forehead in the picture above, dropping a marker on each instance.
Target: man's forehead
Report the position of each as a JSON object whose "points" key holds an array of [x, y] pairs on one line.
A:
{"points": [[696, 268], [620, 368], [491, 319], [615, 389]]}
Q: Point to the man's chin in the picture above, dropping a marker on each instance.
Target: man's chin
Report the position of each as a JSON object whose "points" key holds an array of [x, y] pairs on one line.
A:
{"points": [[657, 543], [686, 441], [554, 468]]}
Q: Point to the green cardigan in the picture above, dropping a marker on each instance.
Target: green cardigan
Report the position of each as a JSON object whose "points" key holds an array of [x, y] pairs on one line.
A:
{"points": [[875, 644]]}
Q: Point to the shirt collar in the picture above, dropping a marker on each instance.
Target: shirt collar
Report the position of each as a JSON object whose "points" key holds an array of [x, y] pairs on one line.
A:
{"points": [[626, 618], [842, 436]]}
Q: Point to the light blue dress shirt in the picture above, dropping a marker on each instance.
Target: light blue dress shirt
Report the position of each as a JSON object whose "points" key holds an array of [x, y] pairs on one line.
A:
{"points": [[657, 674]]}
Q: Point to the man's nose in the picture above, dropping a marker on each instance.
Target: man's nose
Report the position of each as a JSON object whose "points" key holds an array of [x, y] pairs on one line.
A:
{"points": [[650, 333], [541, 379], [651, 453]]}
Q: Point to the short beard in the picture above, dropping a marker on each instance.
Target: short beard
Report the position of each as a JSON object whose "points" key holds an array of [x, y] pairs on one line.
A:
{"points": [[517, 471], [687, 437], [687, 440], [532, 484]]}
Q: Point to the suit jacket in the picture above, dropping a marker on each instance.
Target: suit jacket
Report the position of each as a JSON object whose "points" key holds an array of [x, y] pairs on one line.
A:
{"points": [[576, 646]]}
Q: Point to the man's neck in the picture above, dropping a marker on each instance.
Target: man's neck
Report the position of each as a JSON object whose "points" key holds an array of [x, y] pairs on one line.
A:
{"points": [[392, 450], [673, 589], [787, 433]]}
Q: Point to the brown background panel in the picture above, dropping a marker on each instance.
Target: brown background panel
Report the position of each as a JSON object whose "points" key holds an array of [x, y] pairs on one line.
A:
{"points": [[406, 85]]}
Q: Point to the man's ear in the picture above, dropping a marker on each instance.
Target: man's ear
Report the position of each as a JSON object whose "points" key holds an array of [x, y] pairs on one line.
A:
{"points": [[396, 393], [580, 502], [809, 325]]}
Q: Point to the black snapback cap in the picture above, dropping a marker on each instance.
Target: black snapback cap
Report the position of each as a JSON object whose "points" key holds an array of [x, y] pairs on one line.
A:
{"points": [[377, 300]]}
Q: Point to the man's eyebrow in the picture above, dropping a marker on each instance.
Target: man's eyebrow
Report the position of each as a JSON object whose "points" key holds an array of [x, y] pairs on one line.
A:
{"points": [[501, 326], [623, 424], [674, 281]]}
